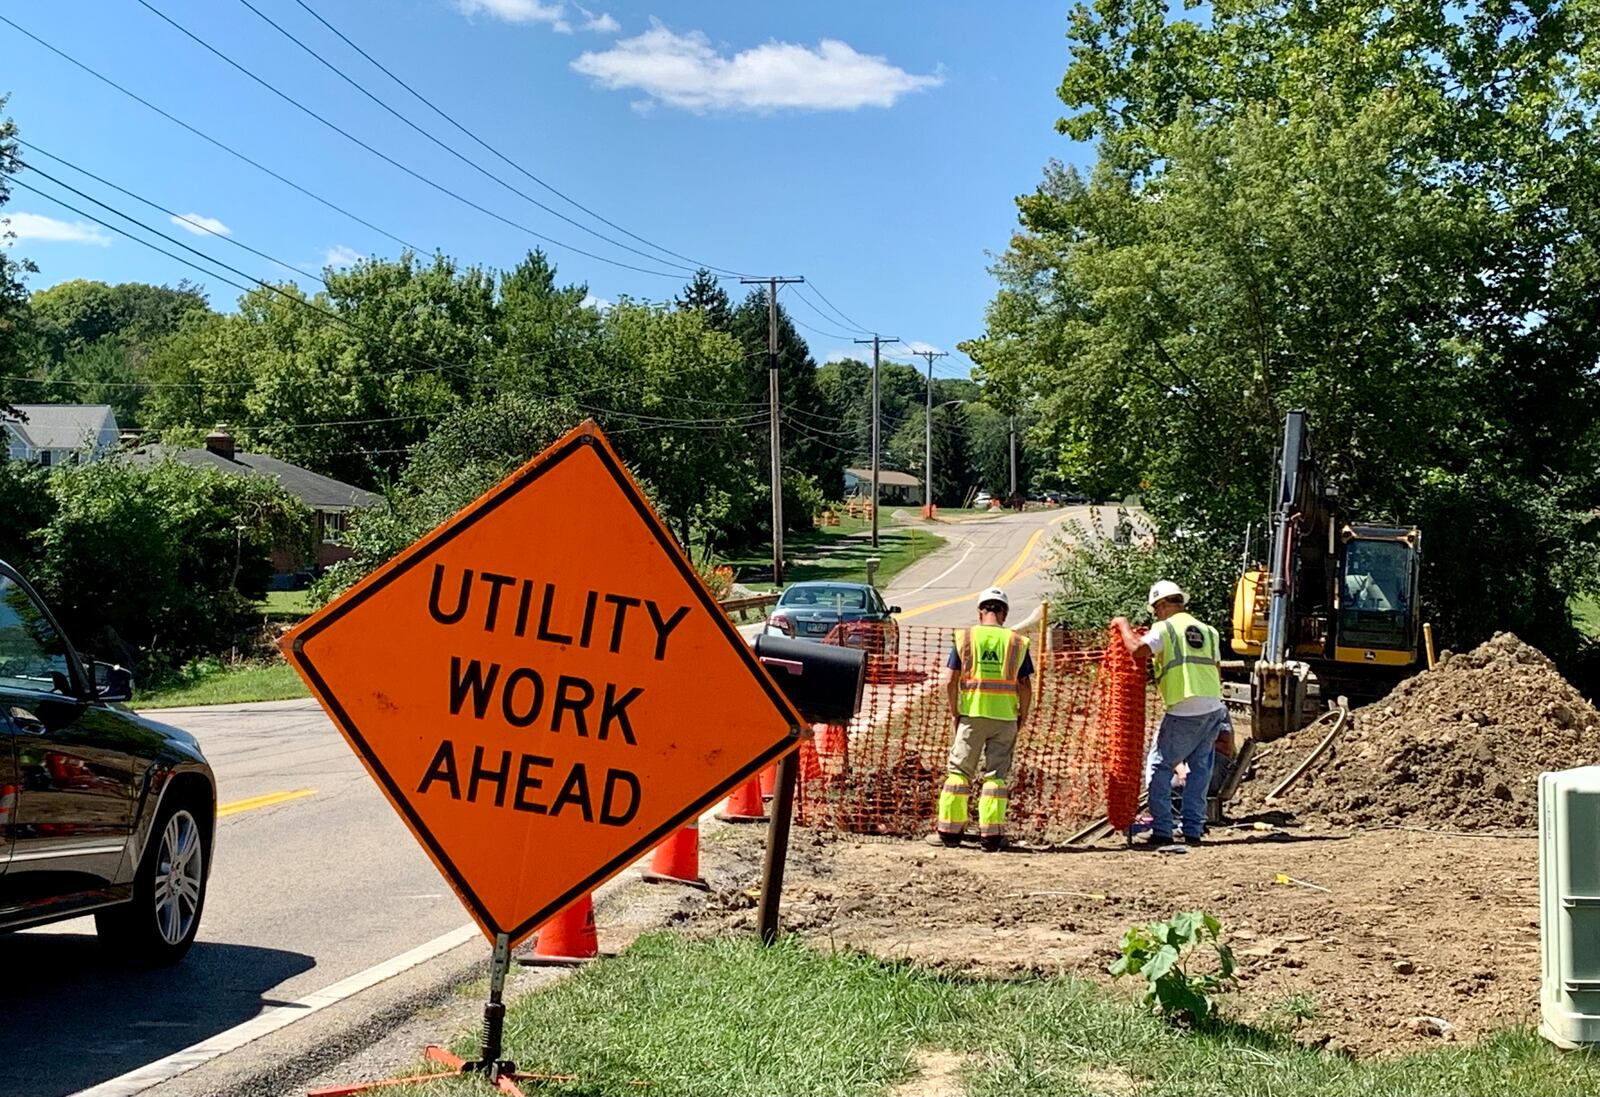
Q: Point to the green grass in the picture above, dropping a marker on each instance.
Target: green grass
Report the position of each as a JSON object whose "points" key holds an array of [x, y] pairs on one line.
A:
{"points": [[726, 1016], [1586, 615], [225, 686], [286, 605], [838, 552]]}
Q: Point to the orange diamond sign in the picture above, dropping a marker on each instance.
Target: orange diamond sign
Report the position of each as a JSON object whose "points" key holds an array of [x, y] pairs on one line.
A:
{"points": [[543, 687]]}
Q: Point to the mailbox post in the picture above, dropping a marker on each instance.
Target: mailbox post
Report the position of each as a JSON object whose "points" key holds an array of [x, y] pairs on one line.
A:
{"points": [[825, 684]]}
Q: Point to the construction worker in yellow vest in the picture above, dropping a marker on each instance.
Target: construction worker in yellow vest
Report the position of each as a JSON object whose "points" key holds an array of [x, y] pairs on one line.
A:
{"points": [[1186, 654], [987, 680]]}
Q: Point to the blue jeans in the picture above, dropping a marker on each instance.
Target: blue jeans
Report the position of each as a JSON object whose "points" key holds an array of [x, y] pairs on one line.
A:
{"points": [[1188, 739]]}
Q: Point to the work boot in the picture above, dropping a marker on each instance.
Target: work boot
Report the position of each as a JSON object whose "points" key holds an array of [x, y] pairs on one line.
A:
{"points": [[939, 838], [1153, 841], [1196, 840], [994, 843]]}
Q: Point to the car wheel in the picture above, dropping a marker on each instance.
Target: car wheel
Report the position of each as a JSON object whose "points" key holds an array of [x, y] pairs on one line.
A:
{"points": [[169, 892]]}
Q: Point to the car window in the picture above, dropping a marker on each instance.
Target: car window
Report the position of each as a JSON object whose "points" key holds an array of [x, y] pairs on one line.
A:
{"points": [[33, 656], [826, 597]]}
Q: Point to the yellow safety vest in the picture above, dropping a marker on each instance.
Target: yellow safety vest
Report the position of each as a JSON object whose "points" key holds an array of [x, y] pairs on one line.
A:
{"points": [[1187, 664], [991, 657]]}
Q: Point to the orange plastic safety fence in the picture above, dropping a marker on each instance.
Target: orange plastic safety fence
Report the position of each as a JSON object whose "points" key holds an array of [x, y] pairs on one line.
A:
{"points": [[1122, 728], [881, 774]]}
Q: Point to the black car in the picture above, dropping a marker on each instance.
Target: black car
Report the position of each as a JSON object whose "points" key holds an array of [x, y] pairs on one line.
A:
{"points": [[101, 811], [812, 610]]}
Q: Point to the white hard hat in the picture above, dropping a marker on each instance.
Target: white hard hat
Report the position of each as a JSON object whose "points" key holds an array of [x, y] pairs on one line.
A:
{"points": [[994, 594], [1165, 589]]}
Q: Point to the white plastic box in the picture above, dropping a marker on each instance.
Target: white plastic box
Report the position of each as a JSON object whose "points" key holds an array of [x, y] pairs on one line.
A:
{"points": [[1569, 906]]}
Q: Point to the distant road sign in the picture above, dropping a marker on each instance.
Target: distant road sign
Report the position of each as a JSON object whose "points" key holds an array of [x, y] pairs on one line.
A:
{"points": [[543, 687]]}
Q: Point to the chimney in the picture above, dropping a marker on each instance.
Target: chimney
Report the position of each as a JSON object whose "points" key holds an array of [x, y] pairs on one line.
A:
{"points": [[220, 442]]}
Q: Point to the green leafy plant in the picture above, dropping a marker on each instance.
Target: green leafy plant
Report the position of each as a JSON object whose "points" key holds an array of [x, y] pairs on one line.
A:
{"points": [[1159, 952]]}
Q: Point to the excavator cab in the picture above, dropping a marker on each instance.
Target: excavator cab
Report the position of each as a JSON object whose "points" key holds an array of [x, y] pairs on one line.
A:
{"points": [[1377, 596]]}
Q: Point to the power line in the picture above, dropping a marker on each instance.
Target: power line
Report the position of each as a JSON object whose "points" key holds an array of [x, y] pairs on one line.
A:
{"points": [[425, 101], [386, 158], [474, 165], [206, 137], [280, 291], [198, 225], [848, 322], [809, 327]]}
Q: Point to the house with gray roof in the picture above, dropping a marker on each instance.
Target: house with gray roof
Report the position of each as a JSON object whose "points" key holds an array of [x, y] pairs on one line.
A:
{"points": [[52, 434], [331, 501]]}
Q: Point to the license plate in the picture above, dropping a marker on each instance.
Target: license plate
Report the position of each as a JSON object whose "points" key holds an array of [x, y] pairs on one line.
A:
{"points": [[819, 626]]}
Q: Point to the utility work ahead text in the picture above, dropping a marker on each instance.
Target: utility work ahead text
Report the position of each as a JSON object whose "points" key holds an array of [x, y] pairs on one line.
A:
{"points": [[537, 695]]}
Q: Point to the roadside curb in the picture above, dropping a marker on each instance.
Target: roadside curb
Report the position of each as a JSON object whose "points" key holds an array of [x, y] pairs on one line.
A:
{"points": [[382, 1029]]}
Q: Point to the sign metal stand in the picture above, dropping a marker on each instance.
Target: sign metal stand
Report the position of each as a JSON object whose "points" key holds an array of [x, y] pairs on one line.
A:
{"points": [[501, 1073]]}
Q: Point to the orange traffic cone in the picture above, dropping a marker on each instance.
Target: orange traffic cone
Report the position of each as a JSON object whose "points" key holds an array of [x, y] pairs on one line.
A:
{"points": [[677, 860], [744, 806], [568, 939], [769, 781]]}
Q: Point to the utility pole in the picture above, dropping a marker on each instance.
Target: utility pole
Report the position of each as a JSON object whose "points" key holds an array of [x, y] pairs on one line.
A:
{"points": [[772, 285], [927, 446], [1013, 459], [876, 341]]}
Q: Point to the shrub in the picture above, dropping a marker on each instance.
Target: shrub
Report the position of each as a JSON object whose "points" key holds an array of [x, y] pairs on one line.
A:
{"points": [[1158, 952], [167, 559]]}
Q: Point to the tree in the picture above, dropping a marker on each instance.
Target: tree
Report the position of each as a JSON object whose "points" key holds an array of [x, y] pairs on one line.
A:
{"points": [[15, 329], [1383, 215], [845, 385], [71, 316], [705, 295], [466, 454], [167, 558], [810, 445]]}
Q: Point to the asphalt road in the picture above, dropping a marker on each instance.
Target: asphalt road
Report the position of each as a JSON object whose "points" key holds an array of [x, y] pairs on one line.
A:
{"points": [[1011, 551], [316, 879]]}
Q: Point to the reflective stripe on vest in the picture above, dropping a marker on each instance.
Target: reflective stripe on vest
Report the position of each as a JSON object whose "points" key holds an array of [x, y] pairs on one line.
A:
{"points": [[1184, 670], [991, 663]]}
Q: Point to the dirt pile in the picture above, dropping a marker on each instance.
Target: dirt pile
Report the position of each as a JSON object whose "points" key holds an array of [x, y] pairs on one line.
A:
{"points": [[1461, 745]]}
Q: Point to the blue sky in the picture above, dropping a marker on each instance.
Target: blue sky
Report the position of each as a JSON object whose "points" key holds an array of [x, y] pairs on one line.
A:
{"points": [[873, 147]]}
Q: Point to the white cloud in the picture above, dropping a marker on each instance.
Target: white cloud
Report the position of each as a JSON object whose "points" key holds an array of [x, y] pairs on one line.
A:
{"points": [[515, 11], [916, 346], [599, 303], [841, 356], [686, 71], [599, 24], [36, 226], [201, 225], [341, 256]]}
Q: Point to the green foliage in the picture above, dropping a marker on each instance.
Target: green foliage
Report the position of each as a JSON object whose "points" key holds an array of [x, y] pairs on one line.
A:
{"points": [[1383, 215], [464, 456], [803, 500], [1158, 953], [16, 335], [1101, 573], [166, 558], [26, 505]]}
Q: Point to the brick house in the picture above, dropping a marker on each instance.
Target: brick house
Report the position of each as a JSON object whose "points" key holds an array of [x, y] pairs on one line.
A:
{"points": [[330, 501]]}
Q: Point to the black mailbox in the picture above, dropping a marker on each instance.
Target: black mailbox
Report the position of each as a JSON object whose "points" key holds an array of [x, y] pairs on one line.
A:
{"points": [[822, 681]]}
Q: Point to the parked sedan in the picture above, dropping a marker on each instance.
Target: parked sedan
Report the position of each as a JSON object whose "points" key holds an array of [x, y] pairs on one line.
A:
{"points": [[810, 611], [101, 811]]}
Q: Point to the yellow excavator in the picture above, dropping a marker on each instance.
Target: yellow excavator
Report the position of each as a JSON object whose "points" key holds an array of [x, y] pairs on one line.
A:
{"points": [[1333, 612]]}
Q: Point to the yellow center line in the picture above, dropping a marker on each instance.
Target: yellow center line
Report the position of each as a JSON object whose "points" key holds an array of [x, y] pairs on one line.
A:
{"points": [[236, 806], [1004, 577]]}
